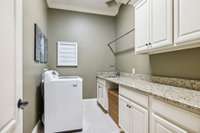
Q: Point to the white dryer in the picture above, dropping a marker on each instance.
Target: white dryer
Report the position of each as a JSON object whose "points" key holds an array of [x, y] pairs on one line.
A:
{"points": [[63, 103]]}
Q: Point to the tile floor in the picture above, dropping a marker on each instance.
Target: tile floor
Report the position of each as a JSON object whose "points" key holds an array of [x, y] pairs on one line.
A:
{"points": [[95, 120]]}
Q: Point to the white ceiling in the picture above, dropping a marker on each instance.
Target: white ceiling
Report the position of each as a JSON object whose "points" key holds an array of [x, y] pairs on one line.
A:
{"points": [[87, 6]]}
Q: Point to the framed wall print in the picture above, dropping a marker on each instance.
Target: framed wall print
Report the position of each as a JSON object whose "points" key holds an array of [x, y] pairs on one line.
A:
{"points": [[41, 46], [67, 54], [38, 39]]}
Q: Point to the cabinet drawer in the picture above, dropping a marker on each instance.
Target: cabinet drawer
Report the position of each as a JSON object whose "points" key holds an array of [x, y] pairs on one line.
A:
{"points": [[185, 119], [134, 95], [160, 125]]}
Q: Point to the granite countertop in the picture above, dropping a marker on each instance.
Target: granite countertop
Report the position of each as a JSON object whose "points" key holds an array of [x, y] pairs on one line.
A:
{"points": [[182, 96]]}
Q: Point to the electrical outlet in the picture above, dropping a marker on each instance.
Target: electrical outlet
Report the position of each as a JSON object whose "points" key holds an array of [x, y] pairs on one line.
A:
{"points": [[133, 70]]}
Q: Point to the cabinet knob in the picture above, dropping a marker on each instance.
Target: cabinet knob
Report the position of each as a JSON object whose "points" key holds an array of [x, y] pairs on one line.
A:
{"points": [[128, 106], [75, 85]]}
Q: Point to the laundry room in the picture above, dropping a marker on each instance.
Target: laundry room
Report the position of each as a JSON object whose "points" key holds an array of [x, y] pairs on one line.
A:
{"points": [[100, 66]]}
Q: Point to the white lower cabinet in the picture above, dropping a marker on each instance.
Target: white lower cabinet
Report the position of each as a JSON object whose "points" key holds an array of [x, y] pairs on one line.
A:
{"points": [[132, 117], [102, 93], [140, 122], [167, 118], [100, 90], [142, 113], [124, 114], [160, 125]]}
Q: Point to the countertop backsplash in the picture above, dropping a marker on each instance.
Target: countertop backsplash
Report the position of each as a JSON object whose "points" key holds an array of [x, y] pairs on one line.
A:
{"points": [[177, 82]]}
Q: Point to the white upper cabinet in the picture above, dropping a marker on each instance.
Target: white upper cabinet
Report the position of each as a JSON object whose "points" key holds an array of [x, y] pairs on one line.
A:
{"points": [[160, 23], [153, 24], [141, 25], [187, 21]]}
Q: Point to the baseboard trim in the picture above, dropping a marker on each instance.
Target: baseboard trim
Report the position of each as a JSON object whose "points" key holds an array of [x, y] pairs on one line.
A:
{"points": [[71, 131], [36, 128], [101, 107]]}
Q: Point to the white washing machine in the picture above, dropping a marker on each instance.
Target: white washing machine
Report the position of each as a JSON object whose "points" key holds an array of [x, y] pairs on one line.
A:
{"points": [[63, 103]]}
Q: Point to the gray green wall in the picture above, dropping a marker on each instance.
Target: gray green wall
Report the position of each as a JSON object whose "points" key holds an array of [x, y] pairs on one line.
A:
{"points": [[92, 32], [183, 64], [35, 11], [126, 59]]}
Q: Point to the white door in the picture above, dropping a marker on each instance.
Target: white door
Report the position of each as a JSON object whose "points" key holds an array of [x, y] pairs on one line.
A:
{"points": [[186, 20], [11, 65], [124, 114], [141, 25], [160, 125], [139, 119], [161, 23]]}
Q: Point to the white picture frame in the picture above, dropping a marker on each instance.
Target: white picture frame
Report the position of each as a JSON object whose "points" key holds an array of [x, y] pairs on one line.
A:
{"points": [[67, 54]]}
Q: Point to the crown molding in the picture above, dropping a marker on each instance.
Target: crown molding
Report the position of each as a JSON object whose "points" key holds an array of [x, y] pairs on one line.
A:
{"points": [[108, 11]]}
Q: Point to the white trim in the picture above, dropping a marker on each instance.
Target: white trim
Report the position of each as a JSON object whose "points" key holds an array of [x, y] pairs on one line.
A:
{"points": [[36, 128], [19, 61]]}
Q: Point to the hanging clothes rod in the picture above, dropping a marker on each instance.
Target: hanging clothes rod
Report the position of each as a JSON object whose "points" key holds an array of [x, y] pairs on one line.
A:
{"points": [[118, 38], [109, 44]]}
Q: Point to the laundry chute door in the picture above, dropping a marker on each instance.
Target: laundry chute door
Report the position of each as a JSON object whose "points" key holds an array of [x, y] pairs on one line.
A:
{"points": [[10, 65]]}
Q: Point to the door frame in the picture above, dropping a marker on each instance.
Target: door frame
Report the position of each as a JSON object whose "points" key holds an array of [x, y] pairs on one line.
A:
{"points": [[19, 61], [17, 125]]}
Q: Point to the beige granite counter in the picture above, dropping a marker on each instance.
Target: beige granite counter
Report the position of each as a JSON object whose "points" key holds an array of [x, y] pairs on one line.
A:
{"points": [[180, 96]]}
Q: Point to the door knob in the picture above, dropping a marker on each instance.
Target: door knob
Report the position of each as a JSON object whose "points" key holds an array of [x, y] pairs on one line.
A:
{"points": [[22, 104], [75, 85]]}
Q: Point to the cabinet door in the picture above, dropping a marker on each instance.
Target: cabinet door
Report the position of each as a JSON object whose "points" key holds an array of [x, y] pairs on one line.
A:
{"points": [[124, 115], [139, 119], [161, 23], [100, 94], [187, 21], [105, 98], [141, 25], [160, 125]]}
